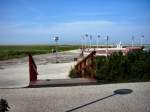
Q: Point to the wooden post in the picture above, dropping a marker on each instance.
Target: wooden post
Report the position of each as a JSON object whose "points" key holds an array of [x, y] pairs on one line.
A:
{"points": [[32, 69]]}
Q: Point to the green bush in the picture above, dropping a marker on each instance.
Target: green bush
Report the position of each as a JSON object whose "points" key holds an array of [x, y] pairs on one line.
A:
{"points": [[4, 105], [135, 66], [72, 73]]}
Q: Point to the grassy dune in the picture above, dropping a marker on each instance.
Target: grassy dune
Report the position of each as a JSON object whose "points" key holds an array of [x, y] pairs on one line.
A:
{"points": [[17, 51]]}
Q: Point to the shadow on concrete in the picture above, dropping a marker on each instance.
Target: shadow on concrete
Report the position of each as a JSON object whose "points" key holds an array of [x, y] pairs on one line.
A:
{"points": [[116, 92], [123, 91]]}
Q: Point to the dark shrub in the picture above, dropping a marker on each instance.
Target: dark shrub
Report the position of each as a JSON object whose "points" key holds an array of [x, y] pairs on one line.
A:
{"points": [[72, 73], [135, 66]]}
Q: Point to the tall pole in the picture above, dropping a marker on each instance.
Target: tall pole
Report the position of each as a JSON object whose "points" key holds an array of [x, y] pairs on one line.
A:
{"points": [[56, 38], [82, 37], [98, 38], [90, 41], [82, 41], [107, 45], [132, 41], [142, 37], [86, 35]]}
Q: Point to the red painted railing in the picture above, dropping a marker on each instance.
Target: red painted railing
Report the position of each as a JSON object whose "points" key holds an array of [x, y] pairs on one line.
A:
{"points": [[32, 69], [87, 66]]}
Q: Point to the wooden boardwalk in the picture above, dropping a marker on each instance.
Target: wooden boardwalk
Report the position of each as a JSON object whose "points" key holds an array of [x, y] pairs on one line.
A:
{"points": [[61, 82]]}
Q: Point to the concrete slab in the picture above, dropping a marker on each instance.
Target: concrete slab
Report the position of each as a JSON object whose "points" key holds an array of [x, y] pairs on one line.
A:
{"points": [[64, 99]]}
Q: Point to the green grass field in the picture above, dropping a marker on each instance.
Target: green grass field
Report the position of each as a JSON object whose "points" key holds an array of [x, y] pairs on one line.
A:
{"points": [[17, 51]]}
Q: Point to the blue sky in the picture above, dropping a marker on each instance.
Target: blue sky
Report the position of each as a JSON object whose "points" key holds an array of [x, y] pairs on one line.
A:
{"points": [[38, 21]]}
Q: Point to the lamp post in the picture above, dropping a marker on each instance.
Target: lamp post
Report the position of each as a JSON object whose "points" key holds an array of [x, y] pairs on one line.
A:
{"points": [[82, 38], [98, 37], [132, 41], [56, 38], [90, 41], [107, 38], [142, 37], [82, 49], [86, 35]]}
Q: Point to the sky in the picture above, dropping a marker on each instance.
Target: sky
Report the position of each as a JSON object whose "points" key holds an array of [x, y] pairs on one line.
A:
{"points": [[39, 21]]}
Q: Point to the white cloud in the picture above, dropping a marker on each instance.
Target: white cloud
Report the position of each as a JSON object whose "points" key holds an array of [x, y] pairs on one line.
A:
{"points": [[65, 28]]}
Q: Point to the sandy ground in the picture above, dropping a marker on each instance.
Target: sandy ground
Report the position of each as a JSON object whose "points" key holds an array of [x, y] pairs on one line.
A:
{"points": [[15, 72], [97, 98]]}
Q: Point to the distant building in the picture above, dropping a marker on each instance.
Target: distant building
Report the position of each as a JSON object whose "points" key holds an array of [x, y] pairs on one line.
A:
{"points": [[102, 51]]}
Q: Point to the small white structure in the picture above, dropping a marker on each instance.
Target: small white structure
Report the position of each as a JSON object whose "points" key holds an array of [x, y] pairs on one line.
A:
{"points": [[119, 45]]}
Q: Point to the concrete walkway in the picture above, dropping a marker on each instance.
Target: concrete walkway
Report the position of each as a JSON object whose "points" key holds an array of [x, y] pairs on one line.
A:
{"points": [[18, 75], [95, 98]]}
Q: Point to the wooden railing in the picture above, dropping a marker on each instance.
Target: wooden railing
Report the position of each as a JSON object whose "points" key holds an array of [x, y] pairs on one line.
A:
{"points": [[32, 69], [87, 66]]}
